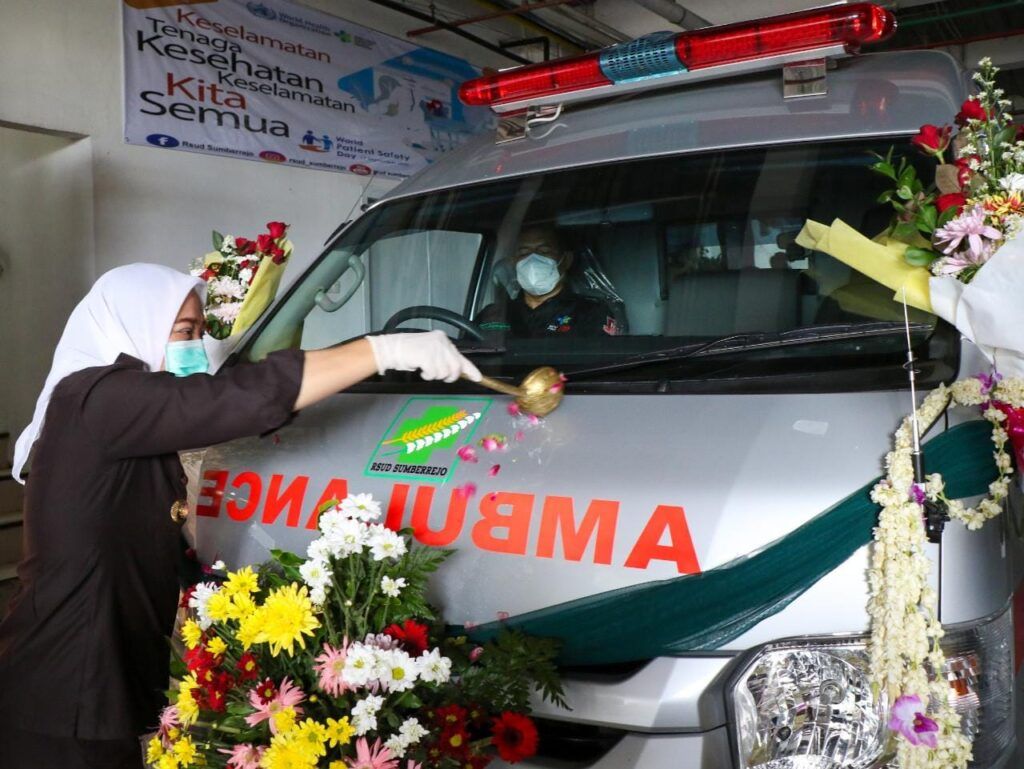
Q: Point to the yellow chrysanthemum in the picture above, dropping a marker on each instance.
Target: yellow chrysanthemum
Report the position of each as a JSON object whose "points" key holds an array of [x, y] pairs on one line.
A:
{"points": [[219, 606], [339, 732], [313, 736], [188, 708], [286, 753], [284, 720], [287, 615], [167, 761], [185, 751], [216, 646], [191, 634], [249, 629], [241, 582], [242, 606], [173, 733], [338, 765], [154, 749], [1004, 205]]}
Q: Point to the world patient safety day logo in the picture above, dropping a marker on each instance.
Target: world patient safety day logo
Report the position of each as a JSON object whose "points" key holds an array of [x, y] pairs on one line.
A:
{"points": [[422, 442]]}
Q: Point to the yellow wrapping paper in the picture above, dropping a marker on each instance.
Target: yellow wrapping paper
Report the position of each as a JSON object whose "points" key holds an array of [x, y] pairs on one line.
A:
{"points": [[261, 292], [881, 260]]}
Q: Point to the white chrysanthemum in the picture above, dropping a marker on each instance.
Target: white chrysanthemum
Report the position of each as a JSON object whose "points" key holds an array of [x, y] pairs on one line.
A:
{"points": [[391, 587], [360, 665], [319, 549], [364, 714], [227, 287], [411, 731], [396, 745], [227, 312], [1013, 183], [228, 244], [433, 667], [315, 572], [329, 520], [318, 595], [399, 670], [385, 543], [246, 274], [347, 537], [361, 506], [199, 600]]}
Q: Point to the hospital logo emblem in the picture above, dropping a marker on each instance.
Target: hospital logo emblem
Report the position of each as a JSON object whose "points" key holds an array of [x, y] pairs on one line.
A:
{"points": [[424, 438]]}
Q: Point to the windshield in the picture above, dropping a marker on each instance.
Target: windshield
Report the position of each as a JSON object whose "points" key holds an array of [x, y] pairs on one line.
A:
{"points": [[584, 268]]}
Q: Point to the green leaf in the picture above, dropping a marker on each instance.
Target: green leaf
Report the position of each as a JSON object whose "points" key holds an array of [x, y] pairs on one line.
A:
{"points": [[905, 192], [286, 558], [927, 218], [886, 196], [946, 217], [218, 240], [908, 176], [919, 257], [885, 169], [904, 231]]}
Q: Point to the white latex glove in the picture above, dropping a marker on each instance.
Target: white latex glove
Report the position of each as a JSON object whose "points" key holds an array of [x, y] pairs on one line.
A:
{"points": [[431, 352]]}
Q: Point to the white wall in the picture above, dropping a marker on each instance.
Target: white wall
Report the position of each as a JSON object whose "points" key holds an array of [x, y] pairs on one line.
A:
{"points": [[61, 72], [46, 258]]}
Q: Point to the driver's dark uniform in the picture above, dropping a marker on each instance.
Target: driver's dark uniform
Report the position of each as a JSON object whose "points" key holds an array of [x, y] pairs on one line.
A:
{"points": [[566, 313]]}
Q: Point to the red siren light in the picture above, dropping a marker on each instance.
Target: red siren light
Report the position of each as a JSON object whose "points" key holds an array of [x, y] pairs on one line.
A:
{"points": [[654, 56]]}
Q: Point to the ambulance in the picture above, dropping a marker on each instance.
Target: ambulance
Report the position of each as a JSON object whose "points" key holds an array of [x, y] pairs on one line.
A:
{"points": [[672, 520]]}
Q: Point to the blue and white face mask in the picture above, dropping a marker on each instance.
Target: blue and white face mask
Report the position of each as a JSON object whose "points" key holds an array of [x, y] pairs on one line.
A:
{"points": [[186, 358], [537, 274]]}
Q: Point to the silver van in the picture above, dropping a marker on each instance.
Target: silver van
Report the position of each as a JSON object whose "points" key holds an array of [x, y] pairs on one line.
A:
{"points": [[735, 387]]}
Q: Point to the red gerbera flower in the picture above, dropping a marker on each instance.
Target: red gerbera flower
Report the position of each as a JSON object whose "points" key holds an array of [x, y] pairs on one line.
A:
{"points": [[266, 691], [515, 737], [247, 668], [216, 700], [411, 634], [454, 740], [198, 660], [450, 715]]}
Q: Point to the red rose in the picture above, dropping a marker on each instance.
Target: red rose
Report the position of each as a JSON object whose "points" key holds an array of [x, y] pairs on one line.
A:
{"points": [[932, 139], [515, 737], [264, 243], [411, 634], [277, 255], [963, 169], [277, 229], [971, 110], [950, 200], [241, 244]]}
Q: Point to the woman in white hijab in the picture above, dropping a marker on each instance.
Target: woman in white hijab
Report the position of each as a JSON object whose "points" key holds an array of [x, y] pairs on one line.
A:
{"points": [[83, 652]]}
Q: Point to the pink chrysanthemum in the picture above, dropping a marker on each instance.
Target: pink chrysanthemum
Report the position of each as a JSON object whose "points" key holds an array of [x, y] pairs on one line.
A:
{"points": [[372, 757], [330, 666], [169, 719], [969, 226], [288, 696], [244, 756]]}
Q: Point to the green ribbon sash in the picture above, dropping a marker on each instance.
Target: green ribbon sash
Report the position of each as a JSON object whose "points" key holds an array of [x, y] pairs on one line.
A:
{"points": [[704, 611]]}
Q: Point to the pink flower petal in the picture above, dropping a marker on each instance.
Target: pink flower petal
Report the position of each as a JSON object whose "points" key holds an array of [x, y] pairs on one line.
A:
{"points": [[495, 469], [520, 435], [556, 387], [466, 490], [476, 654], [513, 408], [534, 419], [467, 453]]}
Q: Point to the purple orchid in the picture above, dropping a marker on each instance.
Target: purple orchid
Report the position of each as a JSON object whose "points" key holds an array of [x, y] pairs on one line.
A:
{"points": [[917, 493], [909, 720], [989, 381]]}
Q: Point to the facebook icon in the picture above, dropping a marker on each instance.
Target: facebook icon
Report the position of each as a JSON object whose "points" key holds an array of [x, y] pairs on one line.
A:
{"points": [[162, 140]]}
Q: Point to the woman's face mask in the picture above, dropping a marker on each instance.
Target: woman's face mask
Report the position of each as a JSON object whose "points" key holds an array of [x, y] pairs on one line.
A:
{"points": [[185, 358], [537, 274]]}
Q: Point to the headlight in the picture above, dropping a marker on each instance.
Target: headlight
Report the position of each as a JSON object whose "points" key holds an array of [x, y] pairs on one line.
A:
{"points": [[807, 704]]}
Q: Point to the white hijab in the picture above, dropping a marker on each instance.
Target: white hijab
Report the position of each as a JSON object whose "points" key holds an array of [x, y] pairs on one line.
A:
{"points": [[128, 310]]}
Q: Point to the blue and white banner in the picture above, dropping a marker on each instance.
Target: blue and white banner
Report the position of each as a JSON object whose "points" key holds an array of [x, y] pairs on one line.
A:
{"points": [[278, 82]]}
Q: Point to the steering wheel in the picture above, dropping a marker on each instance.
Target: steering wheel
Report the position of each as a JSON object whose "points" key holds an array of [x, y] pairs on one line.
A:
{"points": [[434, 313]]}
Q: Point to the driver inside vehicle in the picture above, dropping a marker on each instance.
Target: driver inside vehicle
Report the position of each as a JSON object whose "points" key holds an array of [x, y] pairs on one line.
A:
{"points": [[545, 304]]}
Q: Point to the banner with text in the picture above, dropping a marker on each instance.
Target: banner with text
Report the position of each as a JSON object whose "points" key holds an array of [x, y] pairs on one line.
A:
{"points": [[278, 82]]}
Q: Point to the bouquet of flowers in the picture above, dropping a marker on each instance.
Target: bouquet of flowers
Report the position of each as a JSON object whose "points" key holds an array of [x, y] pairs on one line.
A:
{"points": [[956, 246], [337, 660], [242, 277]]}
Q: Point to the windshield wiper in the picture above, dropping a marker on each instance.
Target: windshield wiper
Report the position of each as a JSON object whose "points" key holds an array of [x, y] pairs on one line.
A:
{"points": [[746, 342]]}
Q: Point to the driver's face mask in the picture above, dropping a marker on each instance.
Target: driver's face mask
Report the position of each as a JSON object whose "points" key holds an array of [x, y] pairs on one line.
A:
{"points": [[185, 358], [537, 274]]}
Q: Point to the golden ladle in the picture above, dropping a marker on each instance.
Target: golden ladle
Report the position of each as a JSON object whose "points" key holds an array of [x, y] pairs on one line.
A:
{"points": [[540, 392]]}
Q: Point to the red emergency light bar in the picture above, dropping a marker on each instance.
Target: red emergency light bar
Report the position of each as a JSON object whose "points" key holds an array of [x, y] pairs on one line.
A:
{"points": [[664, 55]]}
